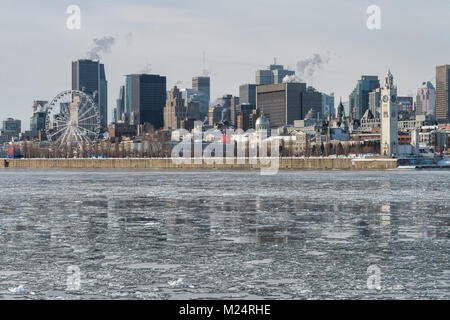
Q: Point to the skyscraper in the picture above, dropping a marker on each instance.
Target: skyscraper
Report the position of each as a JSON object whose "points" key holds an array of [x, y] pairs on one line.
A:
{"points": [[203, 85], [234, 102], [311, 103], [274, 74], [263, 77], [346, 105], [375, 102], [247, 94], [89, 76], [426, 100], [443, 93], [359, 98], [175, 110], [120, 104], [282, 103], [38, 120], [145, 98], [328, 104], [216, 114]]}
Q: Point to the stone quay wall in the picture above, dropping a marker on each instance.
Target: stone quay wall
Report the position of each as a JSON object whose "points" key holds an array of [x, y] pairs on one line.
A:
{"points": [[167, 163]]}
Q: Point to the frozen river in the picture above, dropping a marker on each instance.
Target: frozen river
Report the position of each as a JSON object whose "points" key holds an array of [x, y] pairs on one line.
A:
{"points": [[225, 235]]}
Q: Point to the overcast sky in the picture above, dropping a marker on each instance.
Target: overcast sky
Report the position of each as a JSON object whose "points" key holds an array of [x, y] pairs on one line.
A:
{"points": [[238, 37]]}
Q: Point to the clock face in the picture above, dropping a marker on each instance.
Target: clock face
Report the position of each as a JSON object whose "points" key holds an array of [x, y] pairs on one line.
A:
{"points": [[393, 98], [385, 98]]}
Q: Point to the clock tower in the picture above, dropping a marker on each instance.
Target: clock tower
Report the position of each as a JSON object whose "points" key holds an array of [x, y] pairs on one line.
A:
{"points": [[389, 117]]}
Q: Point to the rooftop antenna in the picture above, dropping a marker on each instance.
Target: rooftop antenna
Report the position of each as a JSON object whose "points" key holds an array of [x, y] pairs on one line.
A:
{"points": [[275, 61]]}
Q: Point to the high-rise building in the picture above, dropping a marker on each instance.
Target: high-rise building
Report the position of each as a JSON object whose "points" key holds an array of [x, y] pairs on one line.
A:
{"points": [[175, 110], [225, 101], [328, 105], [359, 98], [38, 120], [346, 105], [234, 102], [282, 103], [192, 96], [389, 117], [426, 100], [311, 103], [244, 114], [216, 114], [89, 76], [120, 105], [263, 77], [145, 98], [11, 128], [443, 93], [247, 94], [203, 85], [228, 102], [274, 74], [115, 117], [405, 107], [375, 102]]}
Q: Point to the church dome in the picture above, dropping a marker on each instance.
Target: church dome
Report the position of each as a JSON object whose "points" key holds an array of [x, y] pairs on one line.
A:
{"points": [[262, 123]]}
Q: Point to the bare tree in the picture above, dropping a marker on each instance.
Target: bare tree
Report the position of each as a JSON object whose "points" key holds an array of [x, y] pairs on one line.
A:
{"points": [[339, 149], [346, 149], [326, 149], [116, 148], [319, 150]]}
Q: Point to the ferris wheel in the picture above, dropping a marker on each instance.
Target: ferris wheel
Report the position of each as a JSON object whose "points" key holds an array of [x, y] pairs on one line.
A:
{"points": [[72, 116]]}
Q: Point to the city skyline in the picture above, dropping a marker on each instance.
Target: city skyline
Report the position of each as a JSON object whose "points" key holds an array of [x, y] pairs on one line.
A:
{"points": [[348, 48], [225, 158]]}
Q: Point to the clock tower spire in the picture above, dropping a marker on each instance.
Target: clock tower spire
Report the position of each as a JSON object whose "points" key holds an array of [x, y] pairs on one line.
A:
{"points": [[389, 117]]}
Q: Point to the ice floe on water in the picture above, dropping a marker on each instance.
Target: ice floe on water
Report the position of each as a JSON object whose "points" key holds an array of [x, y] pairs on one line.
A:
{"points": [[179, 283], [20, 290]]}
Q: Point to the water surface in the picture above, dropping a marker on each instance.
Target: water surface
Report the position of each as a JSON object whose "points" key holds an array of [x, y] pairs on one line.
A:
{"points": [[225, 235]]}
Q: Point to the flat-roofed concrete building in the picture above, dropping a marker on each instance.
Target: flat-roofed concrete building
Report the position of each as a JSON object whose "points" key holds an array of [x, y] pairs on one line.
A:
{"points": [[11, 128], [281, 103], [120, 130], [443, 94]]}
